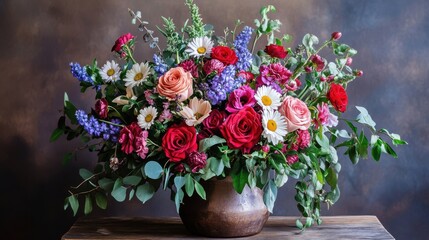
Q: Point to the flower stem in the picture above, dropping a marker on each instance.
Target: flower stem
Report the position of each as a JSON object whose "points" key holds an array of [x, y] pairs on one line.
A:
{"points": [[114, 124], [130, 55]]}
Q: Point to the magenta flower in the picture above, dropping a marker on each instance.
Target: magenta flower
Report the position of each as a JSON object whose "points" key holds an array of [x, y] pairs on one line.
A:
{"points": [[304, 138], [318, 61], [213, 65], [189, 66], [325, 117], [102, 108], [240, 98], [147, 94]]}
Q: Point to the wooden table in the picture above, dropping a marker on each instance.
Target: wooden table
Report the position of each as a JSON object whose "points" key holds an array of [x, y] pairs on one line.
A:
{"points": [[339, 227]]}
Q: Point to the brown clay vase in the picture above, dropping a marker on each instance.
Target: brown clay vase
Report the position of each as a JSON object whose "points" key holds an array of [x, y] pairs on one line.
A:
{"points": [[225, 213]]}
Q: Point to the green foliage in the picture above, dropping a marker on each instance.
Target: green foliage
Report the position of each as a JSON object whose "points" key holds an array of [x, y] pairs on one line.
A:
{"points": [[197, 29]]}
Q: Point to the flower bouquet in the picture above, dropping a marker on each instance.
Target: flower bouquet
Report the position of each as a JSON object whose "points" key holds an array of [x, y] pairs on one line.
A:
{"points": [[210, 107]]}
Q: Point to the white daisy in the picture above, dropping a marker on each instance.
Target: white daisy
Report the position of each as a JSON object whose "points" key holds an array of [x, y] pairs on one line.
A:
{"points": [[146, 117], [110, 71], [137, 74], [199, 46], [196, 111], [274, 126], [268, 98]]}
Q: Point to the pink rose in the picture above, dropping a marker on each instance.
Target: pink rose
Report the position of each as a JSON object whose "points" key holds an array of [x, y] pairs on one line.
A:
{"points": [[240, 98], [296, 113], [176, 84]]}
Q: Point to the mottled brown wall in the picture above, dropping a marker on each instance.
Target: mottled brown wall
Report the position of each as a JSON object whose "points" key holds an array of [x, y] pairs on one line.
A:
{"points": [[39, 39]]}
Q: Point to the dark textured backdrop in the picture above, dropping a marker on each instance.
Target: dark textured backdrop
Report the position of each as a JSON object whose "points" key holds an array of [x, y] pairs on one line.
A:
{"points": [[39, 39]]}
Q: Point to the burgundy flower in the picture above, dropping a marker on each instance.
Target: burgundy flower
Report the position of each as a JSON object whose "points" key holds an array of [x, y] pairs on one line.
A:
{"points": [[213, 65], [318, 61], [141, 144], [179, 168], [212, 123], [101, 108], [189, 66], [240, 98], [196, 161], [293, 85], [127, 137]]}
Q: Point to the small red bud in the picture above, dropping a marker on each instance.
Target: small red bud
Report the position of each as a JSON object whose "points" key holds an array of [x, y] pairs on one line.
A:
{"points": [[331, 78], [349, 61], [323, 79], [266, 148], [336, 35], [307, 69], [359, 73]]}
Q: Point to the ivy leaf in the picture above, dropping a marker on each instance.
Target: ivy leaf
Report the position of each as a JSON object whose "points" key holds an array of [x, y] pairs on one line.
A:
{"points": [[365, 118]]}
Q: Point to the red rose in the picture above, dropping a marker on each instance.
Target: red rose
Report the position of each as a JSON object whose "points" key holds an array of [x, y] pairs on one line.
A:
{"points": [[242, 130], [214, 120], [179, 141], [127, 137], [276, 51], [224, 54], [101, 108], [338, 97], [121, 41]]}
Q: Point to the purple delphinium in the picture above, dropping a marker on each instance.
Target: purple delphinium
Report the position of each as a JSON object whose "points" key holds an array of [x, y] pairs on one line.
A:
{"points": [[221, 85], [82, 75], [243, 53], [160, 66], [97, 128]]}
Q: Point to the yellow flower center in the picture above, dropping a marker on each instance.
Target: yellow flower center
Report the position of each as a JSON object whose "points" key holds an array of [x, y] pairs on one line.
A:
{"points": [[198, 115], [110, 72], [138, 77], [266, 101], [272, 125], [201, 50], [148, 118]]}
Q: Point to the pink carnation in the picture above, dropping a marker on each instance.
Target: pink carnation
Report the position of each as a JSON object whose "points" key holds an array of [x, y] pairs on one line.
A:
{"points": [[147, 94], [189, 66], [121, 41], [141, 144], [293, 85], [325, 117], [166, 113], [273, 73], [213, 65], [240, 98], [304, 138]]}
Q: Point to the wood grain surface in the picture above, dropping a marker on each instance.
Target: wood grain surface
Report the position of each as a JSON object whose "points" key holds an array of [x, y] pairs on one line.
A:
{"points": [[337, 227]]}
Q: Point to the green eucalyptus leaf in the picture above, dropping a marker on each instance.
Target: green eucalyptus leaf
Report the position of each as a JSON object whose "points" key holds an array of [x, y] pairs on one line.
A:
{"points": [[270, 195], [101, 200], [88, 205], [132, 180], [106, 184], [209, 142], [179, 182], [119, 193], [145, 192], [200, 190], [85, 174], [153, 170], [74, 204], [189, 185]]}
